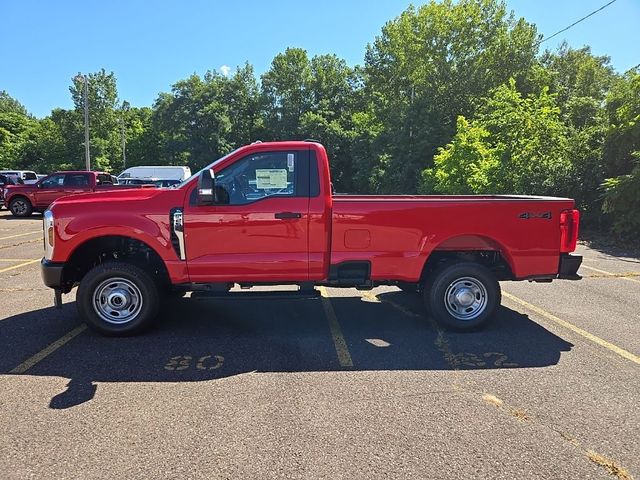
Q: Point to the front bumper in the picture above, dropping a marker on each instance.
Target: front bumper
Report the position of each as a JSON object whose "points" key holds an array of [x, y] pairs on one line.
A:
{"points": [[52, 273], [568, 267]]}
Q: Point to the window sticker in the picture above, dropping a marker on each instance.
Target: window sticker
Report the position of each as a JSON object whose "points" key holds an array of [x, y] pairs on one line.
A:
{"points": [[290, 161], [267, 178]]}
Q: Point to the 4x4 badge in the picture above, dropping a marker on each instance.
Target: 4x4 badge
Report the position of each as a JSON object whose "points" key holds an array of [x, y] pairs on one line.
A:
{"points": [[528, 215]]}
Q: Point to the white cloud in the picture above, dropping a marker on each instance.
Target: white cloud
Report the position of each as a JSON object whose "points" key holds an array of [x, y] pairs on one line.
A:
{"points": [[225, 70]]}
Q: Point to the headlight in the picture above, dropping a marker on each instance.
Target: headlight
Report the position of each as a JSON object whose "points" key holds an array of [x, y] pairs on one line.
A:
{"points": [[48, 233]]}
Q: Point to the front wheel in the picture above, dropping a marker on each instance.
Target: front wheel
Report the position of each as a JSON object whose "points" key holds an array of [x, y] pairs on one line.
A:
{"points": [[463, 296], [118, 299], [20, 207]]}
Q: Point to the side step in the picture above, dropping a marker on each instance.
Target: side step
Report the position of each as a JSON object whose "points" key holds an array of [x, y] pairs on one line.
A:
{"points": [[258, 295]]}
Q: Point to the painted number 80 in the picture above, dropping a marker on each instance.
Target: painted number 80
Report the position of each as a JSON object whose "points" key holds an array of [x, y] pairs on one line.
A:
{"points": [[183, 362]]}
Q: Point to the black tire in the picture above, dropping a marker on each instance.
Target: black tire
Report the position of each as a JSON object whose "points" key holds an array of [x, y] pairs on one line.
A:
{"points": [[453, 286], [129, 282], [20, 207]]}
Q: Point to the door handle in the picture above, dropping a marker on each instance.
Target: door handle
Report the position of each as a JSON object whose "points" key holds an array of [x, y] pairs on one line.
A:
{"points": [[287, 215]]}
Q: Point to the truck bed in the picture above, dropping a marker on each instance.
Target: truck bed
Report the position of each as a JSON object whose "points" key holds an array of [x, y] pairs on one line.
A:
{"points": [[398, 232], [439, 198]]}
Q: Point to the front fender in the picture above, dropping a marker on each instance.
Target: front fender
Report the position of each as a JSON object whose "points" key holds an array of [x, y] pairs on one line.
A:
{"points": [[8, 196]]}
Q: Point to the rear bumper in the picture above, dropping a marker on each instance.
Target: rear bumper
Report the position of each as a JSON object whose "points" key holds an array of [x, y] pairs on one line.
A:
{"points": [[568, 267], [51, 273]]}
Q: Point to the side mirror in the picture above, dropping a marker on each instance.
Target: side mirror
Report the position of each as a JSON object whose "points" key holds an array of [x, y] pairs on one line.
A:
{"points": [[38, 185], [206, 188]]}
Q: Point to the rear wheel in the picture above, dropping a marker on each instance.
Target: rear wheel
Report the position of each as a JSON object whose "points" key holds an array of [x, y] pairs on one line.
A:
{"points": [[118, 299], [463, 296], [20, 207]]}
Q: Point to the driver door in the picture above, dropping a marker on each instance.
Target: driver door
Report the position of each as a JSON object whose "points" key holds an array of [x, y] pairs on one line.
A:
{"points": [[258, 228], [49, 189]]}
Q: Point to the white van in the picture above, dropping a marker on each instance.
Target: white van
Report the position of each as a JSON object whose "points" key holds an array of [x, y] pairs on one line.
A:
{"points": [[27, 176], [158, 173]]}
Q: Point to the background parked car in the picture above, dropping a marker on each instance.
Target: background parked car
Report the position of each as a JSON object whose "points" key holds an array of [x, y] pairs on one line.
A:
{"points": [[161, 172], [6, 180], [136, 181], [166, 183], [22, 200], [27, 176]]}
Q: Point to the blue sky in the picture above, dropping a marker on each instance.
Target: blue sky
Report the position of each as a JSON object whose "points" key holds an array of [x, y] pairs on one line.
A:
{"points": [[152, 44]]}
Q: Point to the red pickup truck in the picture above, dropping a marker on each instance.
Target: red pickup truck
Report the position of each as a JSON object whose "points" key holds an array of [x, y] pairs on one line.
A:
{"points": [[23, 200], [265, 214]]}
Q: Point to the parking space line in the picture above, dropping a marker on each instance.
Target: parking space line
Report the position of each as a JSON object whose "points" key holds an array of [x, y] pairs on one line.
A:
{"points": [[589, 336], [21, 235], [344, 357], [48, 350], [24, 264], [610, 274], [13, 260]]}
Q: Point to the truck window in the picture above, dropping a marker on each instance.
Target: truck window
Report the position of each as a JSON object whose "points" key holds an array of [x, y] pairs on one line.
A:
{"points": [[53, 181], [103, 179], [30, 176], [76, 180], [258, 176]]}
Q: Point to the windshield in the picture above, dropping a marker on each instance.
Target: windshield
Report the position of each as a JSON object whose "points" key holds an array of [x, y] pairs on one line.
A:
{"points": [[203, 169]]}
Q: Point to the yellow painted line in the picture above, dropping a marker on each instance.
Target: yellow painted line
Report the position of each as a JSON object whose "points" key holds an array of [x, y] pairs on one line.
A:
{"points": [[610, 274], [24, 264], [589, 336], [13, 260], [45, 352], [21, 235], [344, 357]]}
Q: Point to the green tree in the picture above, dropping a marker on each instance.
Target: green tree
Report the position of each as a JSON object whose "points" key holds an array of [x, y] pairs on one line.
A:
{"points": [[622, 201], [8, 104], [286, 89], [103, 117], [581, 81], [622, 156], [432, 64], [623, 135], [517, 144], [241, 95], [192, 122], [329, 118], [15, 123]]}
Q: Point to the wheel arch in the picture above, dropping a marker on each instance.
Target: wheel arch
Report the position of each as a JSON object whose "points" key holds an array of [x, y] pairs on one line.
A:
{"points": [[100, 248], [17, 196], [474, 248]]}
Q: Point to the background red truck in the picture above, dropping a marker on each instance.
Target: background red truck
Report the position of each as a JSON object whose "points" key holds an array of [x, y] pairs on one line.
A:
{"points": [[23, 200], [265, 214]]}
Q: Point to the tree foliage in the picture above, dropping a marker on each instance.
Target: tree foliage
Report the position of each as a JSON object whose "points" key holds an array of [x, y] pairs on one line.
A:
{"points": [[432, 64], [516, 145]]}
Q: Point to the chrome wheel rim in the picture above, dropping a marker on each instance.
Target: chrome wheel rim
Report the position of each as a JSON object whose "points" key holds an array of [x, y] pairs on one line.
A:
{"points": [[117, 300], [19, 207], [465, 298]]}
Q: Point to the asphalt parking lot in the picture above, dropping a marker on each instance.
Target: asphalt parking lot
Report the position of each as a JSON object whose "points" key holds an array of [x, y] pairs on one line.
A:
{"points": [[350, 385]]}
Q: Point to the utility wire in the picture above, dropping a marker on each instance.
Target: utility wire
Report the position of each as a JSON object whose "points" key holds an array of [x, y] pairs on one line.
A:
{"points": [[576, 22]]}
